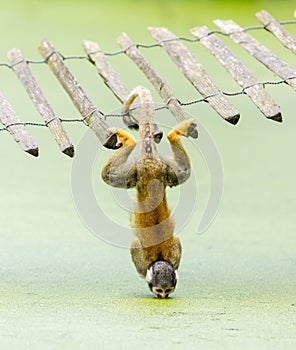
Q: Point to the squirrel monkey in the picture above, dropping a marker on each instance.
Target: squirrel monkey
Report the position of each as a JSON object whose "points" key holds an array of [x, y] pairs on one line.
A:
{"points": [[155, 251]]}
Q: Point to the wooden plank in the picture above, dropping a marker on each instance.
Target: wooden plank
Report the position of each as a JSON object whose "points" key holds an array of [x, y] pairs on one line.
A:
{"points": [[271, 24], [259, 51], [114, 83], [23, 72], [92, 117], [239, 72], [13, 124], [195, 73], [110, 77], [156, 80]]}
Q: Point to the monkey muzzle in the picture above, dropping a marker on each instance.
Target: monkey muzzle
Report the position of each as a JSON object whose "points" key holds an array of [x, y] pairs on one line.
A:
{"points": [[162, 296]]}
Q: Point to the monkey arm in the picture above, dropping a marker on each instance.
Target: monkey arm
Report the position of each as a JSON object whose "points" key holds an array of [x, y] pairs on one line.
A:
{"points": [[118, 170], [179, 167]]}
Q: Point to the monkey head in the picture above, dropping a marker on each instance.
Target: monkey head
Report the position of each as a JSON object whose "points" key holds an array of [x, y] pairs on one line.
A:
{"points": [[162, 278]]}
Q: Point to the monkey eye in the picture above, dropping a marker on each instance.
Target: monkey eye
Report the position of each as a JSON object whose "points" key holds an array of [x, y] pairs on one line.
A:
{"points": [[159, 290], [169, 290]]}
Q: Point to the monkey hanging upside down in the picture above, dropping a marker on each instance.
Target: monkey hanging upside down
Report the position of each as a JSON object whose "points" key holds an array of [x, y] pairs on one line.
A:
{"points": [[156, 252]]}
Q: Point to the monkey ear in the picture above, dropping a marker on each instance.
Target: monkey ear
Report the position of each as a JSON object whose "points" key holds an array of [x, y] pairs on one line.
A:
{"points": [[177, 275], [149, 275]]}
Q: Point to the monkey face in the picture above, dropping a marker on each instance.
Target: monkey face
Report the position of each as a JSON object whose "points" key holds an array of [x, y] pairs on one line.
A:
{"points": [[161, 278]]}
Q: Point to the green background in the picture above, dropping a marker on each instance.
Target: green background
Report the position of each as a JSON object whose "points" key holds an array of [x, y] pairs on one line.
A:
{"points": [[63, 288]]}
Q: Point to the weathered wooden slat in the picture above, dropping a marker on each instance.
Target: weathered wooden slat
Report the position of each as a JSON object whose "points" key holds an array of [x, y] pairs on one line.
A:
{"points": [[157, 81], [259, 51], [195, 73], [108, 74], [114, 83], [23, 72], [271, 24], [239, 72], [13, 124], [92, 117]]}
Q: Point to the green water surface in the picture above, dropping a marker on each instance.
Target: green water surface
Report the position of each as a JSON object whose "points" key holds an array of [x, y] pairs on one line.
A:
{"points": [[63, 288]]}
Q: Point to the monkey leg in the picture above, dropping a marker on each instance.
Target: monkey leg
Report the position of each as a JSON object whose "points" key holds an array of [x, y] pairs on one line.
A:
{"points": [[179, 167], [118, 170]]}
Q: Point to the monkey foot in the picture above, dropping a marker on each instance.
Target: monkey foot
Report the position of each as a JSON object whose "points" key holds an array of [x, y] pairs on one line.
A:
{"points": [[123, 137], [185, 128]]}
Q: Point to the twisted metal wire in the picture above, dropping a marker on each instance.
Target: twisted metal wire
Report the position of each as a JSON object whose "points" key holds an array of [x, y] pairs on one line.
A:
{"points": [[162, 107], [152, 45], [148, 46]]}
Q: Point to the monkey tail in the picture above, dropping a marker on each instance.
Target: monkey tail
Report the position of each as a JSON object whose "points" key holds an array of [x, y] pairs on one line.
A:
{"points": [[146, 123]]}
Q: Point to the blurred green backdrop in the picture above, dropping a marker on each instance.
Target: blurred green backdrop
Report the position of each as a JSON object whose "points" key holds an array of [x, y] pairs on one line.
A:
{"points": [[60, 286]]}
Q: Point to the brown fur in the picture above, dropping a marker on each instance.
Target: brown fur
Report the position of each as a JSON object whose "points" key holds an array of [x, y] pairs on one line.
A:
{"points": [[150, 175]]}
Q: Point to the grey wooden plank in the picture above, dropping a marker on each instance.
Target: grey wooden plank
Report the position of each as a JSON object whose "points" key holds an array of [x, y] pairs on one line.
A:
{"points": [[239, 72], [109, 75], [13, 124], [107, 72], [195, 73], [154, 77], [114, 83], [259, 51], [23, 72], [271, 24], [92, 117]]}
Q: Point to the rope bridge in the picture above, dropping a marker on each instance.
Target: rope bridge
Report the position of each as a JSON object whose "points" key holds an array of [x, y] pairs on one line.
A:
{"points": [[179, 54]]}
